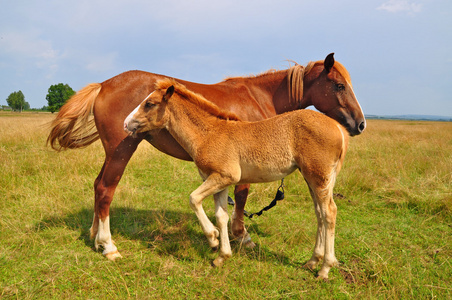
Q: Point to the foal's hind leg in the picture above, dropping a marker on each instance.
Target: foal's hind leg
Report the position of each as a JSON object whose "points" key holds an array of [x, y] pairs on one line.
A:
{"points": [[319, 249], [326, 211], [238, 229]]}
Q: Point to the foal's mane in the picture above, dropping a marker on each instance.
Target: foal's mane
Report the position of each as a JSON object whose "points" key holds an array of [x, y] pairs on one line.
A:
{"points": [[196, 99]]}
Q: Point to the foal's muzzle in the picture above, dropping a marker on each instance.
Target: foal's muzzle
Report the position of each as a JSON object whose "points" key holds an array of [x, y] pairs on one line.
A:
{"points": [[131, 128]]}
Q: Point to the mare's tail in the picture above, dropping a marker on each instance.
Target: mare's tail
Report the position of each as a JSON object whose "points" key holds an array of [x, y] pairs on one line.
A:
{"points": [[74, 126]]}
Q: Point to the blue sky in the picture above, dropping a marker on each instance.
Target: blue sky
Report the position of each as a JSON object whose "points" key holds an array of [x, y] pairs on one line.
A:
{"points": [[398, 52]]}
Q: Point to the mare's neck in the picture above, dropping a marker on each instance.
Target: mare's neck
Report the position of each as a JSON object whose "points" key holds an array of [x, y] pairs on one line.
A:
{"points": [[276, 86]]}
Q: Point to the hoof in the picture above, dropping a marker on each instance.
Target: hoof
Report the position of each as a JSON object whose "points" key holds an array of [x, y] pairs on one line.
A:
{"points": [[322, 276], [246, 241], [218, 262], [324, 279], [310, 265], [113, 255], [215, 249], [249, 245]]}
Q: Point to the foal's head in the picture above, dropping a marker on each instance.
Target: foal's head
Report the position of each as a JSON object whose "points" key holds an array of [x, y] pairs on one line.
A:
{"points": [[328, 87], [150, 114]]}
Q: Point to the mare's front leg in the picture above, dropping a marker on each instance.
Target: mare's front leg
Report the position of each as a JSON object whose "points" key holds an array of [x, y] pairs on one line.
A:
{"points": [[238, 229], [221, 213], [105, 186]]}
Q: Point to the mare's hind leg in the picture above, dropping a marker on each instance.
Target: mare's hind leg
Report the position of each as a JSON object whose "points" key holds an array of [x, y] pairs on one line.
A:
{"points": [[95, 226], [326, 211], [105, 186], [238, 229], [221, 213]]}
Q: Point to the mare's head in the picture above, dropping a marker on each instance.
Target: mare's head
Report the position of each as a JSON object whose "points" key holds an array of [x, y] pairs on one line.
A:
{"points": [[327, 86], [150, 114]]}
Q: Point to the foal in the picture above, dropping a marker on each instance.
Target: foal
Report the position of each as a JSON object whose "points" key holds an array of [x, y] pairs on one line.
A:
{"points": [[228, 152]]}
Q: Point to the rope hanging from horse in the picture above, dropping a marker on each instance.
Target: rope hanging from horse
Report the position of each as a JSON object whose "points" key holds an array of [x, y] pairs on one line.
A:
{"points": [[279, 196]]}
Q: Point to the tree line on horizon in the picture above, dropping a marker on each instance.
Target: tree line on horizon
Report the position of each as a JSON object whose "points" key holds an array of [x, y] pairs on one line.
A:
{"points": [[57, 95]]}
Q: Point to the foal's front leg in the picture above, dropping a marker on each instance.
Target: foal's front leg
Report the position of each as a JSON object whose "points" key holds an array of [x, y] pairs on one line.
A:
{"points": [[207, 188], [221, 213]]}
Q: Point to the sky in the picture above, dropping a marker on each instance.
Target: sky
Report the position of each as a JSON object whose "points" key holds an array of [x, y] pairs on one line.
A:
{"points": [[398, 52]]}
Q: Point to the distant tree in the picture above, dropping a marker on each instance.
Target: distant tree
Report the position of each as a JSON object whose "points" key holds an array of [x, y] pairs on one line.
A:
{"points": [[16, 101], [57, 95]]}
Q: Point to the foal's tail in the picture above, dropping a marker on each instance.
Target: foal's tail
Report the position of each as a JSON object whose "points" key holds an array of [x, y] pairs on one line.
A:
{"points": [[74, 127], [345, 136]]}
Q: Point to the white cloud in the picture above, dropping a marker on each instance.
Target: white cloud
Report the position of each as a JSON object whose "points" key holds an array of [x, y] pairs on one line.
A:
{"points": [[23, 51], [28, 45], [395, 6], [102, 63]]}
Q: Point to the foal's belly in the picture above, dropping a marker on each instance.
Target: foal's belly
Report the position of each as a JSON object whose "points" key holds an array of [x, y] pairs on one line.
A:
{"points": [[256, 174]]}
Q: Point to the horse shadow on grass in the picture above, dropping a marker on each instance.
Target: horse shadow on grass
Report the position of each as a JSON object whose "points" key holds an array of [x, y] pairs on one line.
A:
{"points": [[166, 232]]}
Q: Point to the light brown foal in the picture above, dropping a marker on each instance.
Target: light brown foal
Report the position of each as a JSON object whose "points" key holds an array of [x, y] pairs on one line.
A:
{"points": [[228, 152]]}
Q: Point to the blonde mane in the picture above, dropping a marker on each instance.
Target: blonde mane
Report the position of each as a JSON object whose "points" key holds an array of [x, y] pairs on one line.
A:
{"points": [[295, 76], [196, 99]]}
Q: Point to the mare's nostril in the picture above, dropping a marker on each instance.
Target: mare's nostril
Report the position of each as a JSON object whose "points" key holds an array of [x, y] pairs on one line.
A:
{"points": [[362, 126]]}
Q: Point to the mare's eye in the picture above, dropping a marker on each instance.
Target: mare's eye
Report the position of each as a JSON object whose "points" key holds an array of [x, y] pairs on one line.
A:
{"points": [[340, 87]]}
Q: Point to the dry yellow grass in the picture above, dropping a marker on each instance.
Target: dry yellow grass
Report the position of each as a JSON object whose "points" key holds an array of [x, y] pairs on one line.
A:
{"points": [[394, 231]]}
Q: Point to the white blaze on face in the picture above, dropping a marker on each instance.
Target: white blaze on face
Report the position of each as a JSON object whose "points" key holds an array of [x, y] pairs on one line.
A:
{"points": [[354, 95], [359, 105], [130, 116]]}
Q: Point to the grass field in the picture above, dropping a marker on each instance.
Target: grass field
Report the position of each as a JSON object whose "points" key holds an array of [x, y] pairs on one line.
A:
{"points": [[393, 233]]}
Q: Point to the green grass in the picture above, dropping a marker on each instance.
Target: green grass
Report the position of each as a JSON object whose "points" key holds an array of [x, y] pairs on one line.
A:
{"points": [[393, 234]]}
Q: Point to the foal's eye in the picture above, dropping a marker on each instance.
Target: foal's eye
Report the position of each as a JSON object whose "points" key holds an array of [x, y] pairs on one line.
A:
{"points": [[149, 105], [340, 87]]}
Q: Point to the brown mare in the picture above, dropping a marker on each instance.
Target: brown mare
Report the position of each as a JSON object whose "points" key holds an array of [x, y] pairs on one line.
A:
{"points": [[324, 84], [228, 152]]}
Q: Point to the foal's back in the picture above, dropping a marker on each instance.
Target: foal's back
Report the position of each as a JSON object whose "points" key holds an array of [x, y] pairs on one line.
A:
{"points": [[271, 149]]}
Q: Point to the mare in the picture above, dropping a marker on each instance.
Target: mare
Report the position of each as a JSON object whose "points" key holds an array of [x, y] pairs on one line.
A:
{"points": [[229, 152], [324, 84]]}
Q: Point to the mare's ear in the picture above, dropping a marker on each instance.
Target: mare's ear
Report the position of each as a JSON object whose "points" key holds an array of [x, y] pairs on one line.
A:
{"points": [[329, 62], [169, 93]]}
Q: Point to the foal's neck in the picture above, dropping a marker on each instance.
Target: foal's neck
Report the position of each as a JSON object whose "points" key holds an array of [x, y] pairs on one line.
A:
{"points": [[190, 125]]}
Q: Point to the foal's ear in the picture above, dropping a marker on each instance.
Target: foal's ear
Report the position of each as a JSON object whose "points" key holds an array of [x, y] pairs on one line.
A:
{"points": [[169, 93], [329, 62]]}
